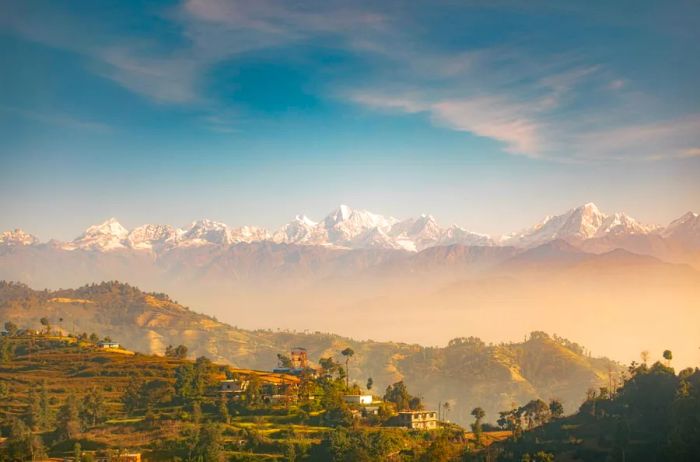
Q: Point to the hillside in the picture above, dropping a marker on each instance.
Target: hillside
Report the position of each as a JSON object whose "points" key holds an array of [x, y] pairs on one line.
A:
{"points": [[467, 372], [60, 396], [653, 416]]}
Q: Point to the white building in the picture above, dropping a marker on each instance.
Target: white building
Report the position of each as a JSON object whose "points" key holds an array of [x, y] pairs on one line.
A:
{"points": [[358, 399], [423, 420], [233, 386]]}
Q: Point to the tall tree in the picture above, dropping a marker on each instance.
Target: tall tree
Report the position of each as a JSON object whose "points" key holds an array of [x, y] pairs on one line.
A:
{"points": [[210, 447], [45, 413], [94, 406], [131, 398], [22, 445], [556, 409], [478, 415], [68, 419], [446, 409], [348, 353], [33, 411], [223, 409], [668, 356]]}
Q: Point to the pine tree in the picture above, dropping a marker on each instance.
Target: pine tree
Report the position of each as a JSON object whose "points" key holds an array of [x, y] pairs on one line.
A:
{"points": [[33, 411], [94, 408], [131, 399], [223, 410], [69, 419], [45, 413]]}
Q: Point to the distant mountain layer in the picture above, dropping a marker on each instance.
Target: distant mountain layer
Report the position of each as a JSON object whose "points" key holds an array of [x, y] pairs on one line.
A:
{"points": [[466, 373], [346, 228]]}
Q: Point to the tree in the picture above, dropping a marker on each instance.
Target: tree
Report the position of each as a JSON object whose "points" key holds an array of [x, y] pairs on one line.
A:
{"points": [[223, 409], [94, 407], [191, 380], [348, 353], [478, 414], [668, 356], [11, 328], [284, 361], [536, 412], [398, 394], [155, 393], [184, 378], [45, 322], [68, 419], [556, 409], [446, 409], [370, 383], [22, 444], [511, 420], [33, 411], [179, 352], [210, 445], [131, 398], [45, 413]]}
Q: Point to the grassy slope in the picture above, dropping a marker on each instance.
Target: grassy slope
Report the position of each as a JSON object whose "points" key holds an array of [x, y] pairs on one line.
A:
{"points": [[71, 368], [492, 376]]}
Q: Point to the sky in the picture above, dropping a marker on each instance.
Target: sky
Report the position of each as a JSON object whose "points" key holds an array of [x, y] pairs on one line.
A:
{"points": [[486, 114]]}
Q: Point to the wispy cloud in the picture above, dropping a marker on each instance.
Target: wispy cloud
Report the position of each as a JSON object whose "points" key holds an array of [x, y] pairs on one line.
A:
{"points": [[488, 117], [58, 119]]}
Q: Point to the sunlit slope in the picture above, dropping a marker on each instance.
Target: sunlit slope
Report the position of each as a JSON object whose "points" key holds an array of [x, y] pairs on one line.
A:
{"points": [[491, 376]]}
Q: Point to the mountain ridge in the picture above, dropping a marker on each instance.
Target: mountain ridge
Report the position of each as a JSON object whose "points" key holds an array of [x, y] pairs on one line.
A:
{"points": [[347, 228]]}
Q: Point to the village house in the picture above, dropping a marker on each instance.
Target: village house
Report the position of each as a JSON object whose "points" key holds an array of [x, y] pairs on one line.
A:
{"points": [[299, 363], [362, 400], [420, 420], [108, 345], [233, 386]]}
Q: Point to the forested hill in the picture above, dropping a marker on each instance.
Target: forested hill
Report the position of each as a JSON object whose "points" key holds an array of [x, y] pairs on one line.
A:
{"points": [[466, 373], [653, 416]]}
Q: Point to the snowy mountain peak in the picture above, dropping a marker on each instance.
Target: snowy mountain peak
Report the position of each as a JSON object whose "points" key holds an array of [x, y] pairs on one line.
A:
{"points": [[590, 207], [106, 236], [580, 223], [686, 227], [248, 234], [303, 219], [17, 237], [203, 232], [110, 227], [149, 236], [343, 212]]}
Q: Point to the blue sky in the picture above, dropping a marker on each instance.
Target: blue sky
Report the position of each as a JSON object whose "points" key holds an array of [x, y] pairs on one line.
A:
{"points": [[485, 114]]}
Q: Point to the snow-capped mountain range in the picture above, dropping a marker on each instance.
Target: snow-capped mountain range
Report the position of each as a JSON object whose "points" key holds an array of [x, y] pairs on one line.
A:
{"points": [[348, 228]]}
